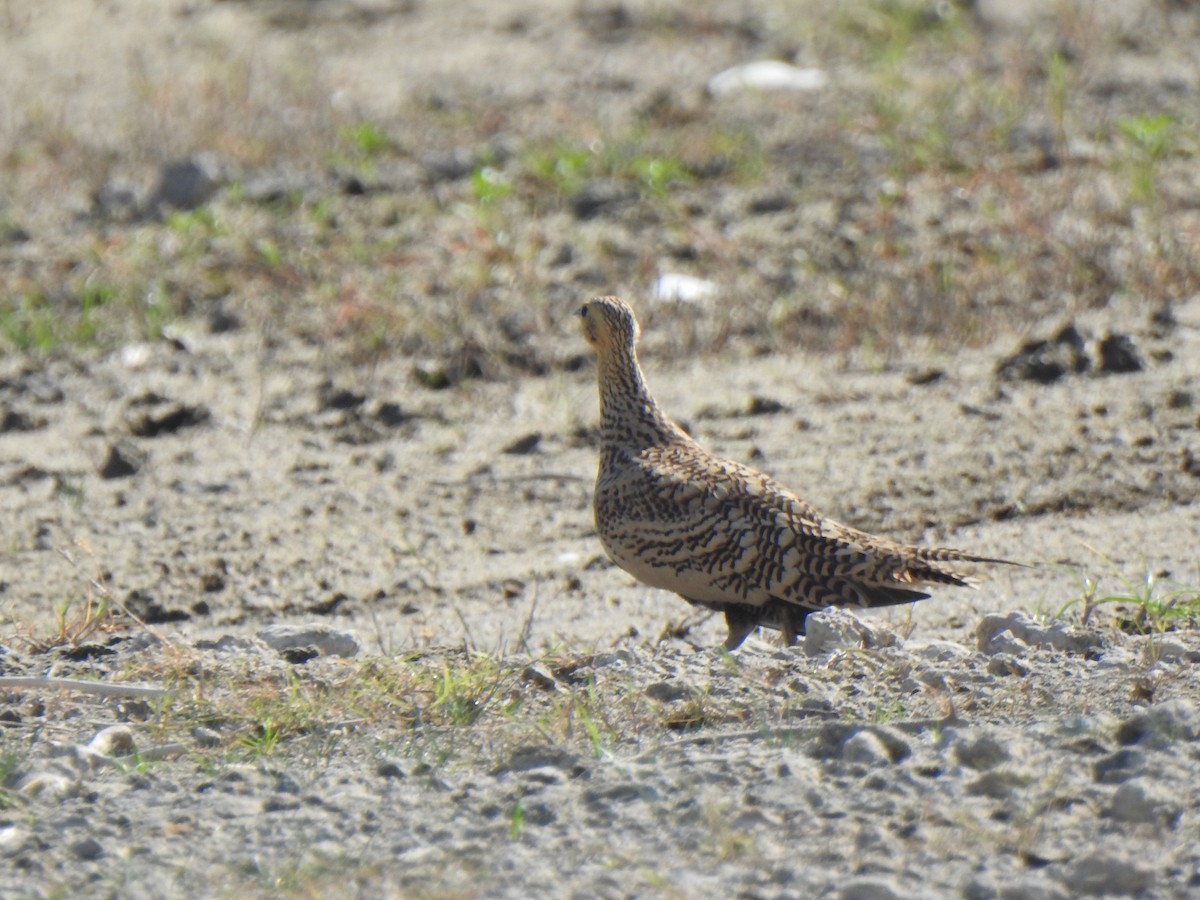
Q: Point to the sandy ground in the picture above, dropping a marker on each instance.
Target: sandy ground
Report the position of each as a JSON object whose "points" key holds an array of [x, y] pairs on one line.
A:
{"points": [[409, 516], [232, 479]]}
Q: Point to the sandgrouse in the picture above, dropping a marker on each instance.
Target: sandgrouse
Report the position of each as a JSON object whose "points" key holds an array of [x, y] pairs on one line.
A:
{"points": [[718, 533]]}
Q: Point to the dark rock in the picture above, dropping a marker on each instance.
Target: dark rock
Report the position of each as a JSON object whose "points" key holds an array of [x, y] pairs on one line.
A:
{"points": [[11, 420], [764, 406], [221, 321], [389, 769], [331, 397], [12, 233], [1047, 361], [524, 445], [119, 463], [451, 165], [1118, 355], [167, 419], [87, 849], [600, 195], [188, 183], [771, 203], [151, 611], [298, 656], [667, 691], [534, 674], [925, 376], [84, 652], [389, 413], [329, 605], [352, 186]]}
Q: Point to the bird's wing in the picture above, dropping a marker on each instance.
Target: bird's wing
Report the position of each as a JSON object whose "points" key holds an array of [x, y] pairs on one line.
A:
{"points": [[717, 531]]}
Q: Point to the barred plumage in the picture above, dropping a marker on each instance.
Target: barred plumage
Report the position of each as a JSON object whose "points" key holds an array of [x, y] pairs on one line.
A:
{"points": [[718, 533]]}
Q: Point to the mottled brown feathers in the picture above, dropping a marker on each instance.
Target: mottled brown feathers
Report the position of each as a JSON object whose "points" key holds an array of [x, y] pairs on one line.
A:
{"points": [[718, 533]]}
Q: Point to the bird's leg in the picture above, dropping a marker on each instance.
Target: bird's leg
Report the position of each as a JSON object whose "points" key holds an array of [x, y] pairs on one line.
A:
{"points": [[787, 628], [740, 624]]}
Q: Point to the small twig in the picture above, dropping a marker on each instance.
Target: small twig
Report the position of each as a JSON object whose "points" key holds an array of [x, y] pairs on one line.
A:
{"points": [[527, 628], [468, 638], [383, 650], [260, 402], [16, 682], [1088, 596], [98, 585]]}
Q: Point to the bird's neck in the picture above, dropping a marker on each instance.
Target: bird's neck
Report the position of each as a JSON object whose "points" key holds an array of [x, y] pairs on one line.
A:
{"points": [[630, 419]]}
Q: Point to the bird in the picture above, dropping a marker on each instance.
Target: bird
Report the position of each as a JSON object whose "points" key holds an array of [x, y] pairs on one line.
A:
{"points": [[720, 534]]}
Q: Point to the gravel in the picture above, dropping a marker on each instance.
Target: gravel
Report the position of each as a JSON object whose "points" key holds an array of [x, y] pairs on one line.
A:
{"points": [[765, 797]]}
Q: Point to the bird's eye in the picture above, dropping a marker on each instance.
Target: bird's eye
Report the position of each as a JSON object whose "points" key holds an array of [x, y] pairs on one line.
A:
{"points": [[583, 311]]}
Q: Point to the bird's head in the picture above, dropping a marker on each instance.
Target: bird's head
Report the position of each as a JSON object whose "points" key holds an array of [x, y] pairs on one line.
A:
{"points": [[609, 325]]}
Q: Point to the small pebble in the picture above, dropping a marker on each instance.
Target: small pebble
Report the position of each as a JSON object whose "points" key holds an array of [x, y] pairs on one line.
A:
{"points": [[116, 740], [981, 751], [1161, 725], [13, 839], [537, 756], [872, 887], [87, 848], [328, 641], [866, 749], [830, 629], [48, 785], [206, 737], [1141, 800], [1105, 873], [1119, 767], [667, 691]]}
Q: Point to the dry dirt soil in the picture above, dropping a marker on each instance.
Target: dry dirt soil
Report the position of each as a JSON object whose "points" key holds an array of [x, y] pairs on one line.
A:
{"points": [[479, 704]]}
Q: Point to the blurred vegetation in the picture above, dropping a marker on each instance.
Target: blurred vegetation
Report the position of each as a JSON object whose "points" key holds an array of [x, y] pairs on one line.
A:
{"points": [[949, 186]]}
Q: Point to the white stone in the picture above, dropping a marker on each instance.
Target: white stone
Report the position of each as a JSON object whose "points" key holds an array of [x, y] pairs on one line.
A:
{"points": [[684, 288], [830, 629], [767, 75], [13, 839], [116, 740], [52, 785]]}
